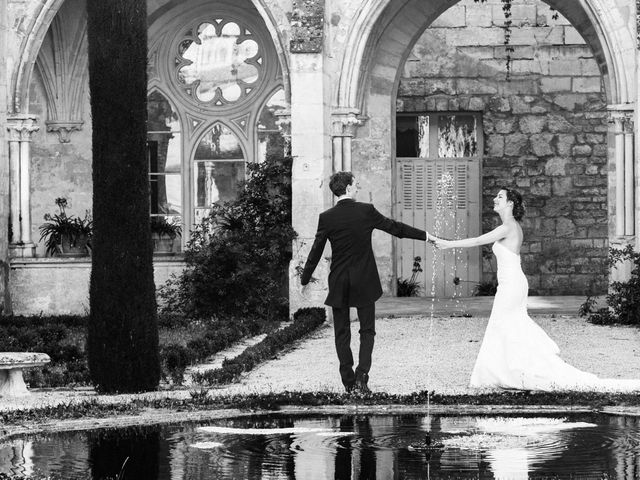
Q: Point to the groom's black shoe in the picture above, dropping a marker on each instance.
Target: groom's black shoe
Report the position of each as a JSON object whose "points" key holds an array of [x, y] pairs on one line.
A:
{"points": [[350, 387], [361, 382]]}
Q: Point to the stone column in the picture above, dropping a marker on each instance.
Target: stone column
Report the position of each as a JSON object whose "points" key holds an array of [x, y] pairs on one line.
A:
{"points": [[311, 150], [622, 190], [21, 128], [343, 127], [629, 178], [624, 202], [5, 301]]}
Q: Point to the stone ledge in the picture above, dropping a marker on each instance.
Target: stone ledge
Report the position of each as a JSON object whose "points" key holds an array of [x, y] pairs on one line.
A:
{"points": [[10, 360], [79, 262]]}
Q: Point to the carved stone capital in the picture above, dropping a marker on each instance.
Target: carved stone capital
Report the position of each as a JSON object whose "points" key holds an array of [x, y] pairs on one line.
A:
{"points": [[21, 126], [345, 122], [283, 121], [64, 129], [621, 116]]}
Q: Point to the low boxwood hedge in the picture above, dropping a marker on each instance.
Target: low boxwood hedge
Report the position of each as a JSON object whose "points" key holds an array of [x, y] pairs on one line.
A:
{"points": [[305, 321]]}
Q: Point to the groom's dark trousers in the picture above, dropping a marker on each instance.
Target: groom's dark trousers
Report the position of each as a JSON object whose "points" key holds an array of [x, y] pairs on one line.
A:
{"points": [[353, 275]]}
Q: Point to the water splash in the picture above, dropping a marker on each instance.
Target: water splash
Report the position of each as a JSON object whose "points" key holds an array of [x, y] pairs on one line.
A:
{"points": [[445, 201]]}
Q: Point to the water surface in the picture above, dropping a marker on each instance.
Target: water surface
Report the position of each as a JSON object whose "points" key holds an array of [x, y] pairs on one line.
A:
{"points": [[339, 447]]}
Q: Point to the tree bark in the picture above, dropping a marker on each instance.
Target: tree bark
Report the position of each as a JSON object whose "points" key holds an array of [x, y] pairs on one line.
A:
{"points": [[123, 329]]}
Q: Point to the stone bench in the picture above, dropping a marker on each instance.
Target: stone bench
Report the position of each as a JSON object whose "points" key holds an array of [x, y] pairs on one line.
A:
{"points": [[11, 366]]}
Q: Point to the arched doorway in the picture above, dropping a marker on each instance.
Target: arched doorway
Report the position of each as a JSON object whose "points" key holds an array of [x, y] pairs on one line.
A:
{"points": [[561, 163]]}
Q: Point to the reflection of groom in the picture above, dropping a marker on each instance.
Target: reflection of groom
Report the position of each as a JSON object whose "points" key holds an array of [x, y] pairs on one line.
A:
{"points": [[353, 276]]}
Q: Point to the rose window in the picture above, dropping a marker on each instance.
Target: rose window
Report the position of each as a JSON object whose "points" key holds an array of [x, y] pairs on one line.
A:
{"points": [[220, 64]]}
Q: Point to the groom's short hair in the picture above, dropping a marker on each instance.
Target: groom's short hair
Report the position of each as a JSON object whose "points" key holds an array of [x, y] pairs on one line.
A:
{"points": [[339, 181]]}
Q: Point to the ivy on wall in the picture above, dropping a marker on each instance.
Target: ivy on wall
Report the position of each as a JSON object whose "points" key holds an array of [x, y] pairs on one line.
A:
{"points": [[307, 25], [508, 22]]}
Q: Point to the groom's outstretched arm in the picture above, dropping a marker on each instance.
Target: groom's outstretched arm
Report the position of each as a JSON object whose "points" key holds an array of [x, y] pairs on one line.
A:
{"points": [[397, 229], [315, 253]]}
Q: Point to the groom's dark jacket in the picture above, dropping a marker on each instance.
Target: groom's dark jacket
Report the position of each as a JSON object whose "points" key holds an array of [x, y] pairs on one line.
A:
{"points": [[353, 277]]}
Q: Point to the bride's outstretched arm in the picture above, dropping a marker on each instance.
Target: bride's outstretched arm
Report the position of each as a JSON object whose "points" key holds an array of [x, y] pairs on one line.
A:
{"points": [[494, 235]]}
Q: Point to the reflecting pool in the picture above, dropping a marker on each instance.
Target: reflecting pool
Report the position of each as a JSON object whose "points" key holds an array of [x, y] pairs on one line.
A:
{"points": [[339, 447]]}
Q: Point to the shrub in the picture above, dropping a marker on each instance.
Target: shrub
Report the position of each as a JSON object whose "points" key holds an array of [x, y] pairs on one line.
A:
{"points": [[238, 257], [623, 299], [57, 337], [411, 287]]}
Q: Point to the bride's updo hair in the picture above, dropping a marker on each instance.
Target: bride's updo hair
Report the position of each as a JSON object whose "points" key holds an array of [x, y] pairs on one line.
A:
{"points": [[518, 205]]}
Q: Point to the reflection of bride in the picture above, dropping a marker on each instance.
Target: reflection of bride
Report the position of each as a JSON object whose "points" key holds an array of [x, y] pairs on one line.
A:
{"points": [[515, 352], [513, 448]]}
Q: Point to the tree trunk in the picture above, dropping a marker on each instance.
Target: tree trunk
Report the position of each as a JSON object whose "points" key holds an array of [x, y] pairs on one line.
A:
{"points": [[123, 329]]}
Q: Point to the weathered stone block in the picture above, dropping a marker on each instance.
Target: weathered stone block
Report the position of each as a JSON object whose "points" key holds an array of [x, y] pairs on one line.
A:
{"points": [[575, 170], [572, 37], [564, 143], [592, 170], [558, 123], [495, 145], [532, 123], [569, 101], [541, 187], [505, 125], [412, 87], [454, 16], [556, 166], [473, 86], [583, 150], [519, 105], [586, 84], [561, 186], [515, 144], [555, 84], [439, 86], [565, 227], [541, 144]]}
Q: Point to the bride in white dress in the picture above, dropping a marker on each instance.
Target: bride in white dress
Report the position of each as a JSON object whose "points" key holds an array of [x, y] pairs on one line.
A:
{"points": [[515, 352]]}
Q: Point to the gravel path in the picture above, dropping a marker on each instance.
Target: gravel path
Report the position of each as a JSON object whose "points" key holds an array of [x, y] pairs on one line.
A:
{"points": [[404, 361]]}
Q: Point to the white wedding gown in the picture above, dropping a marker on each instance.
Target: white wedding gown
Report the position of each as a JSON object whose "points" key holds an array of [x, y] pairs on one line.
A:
{"points": [[516, 353]]}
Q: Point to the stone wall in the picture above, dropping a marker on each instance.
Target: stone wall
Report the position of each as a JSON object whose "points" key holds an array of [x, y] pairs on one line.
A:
{"points": [[545, 130], [58, 169]]}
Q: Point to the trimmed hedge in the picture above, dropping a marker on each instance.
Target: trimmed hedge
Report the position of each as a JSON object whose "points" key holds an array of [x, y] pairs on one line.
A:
{"points": [[63, 338], [305, 321], [217, 336]]}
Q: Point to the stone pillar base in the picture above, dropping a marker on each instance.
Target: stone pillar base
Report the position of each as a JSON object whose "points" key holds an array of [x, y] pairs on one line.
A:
{"points": [[27, 250], [12, 384]]}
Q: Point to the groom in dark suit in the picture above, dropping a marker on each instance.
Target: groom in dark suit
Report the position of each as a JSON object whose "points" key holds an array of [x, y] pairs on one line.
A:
{"points": [[353, 276]]}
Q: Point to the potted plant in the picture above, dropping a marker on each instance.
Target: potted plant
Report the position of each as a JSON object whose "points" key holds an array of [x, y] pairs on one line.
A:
{"points": [[64, 235], [164, 233]]}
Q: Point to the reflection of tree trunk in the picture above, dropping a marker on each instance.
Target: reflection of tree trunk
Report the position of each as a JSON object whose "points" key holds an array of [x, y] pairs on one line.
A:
{"points": [[123, 328], [110, 449]]}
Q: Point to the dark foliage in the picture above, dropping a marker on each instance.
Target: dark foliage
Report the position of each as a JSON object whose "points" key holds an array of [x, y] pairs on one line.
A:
{"points": [[55, 336], [238, 257], [63, 339], [61, 227], [124, 454], [410, 287], [162, 228], [123, 331], [623, 299], [305, 321]]}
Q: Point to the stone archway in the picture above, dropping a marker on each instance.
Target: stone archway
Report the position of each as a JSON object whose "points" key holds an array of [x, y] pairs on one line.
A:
{"points": [[38, 22], [382, 39]]}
